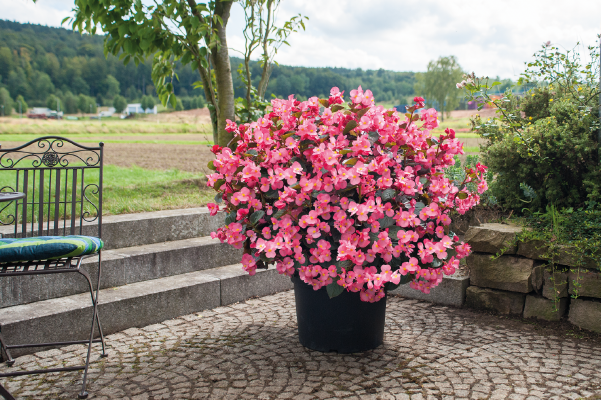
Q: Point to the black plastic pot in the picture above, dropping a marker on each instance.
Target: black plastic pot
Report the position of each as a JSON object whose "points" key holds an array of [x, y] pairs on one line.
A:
{"points": [[344, 324]]}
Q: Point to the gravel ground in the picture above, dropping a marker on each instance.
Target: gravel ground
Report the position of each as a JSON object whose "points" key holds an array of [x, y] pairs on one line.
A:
{"points": [[251, 350]]}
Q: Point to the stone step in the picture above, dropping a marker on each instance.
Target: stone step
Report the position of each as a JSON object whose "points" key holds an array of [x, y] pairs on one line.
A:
{"points": [[450, 292], [121, 267], [127, 230], [135, 305]]}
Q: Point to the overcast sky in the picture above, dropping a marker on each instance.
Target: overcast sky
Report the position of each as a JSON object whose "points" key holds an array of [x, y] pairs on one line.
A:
{"points": [[488, 37]]}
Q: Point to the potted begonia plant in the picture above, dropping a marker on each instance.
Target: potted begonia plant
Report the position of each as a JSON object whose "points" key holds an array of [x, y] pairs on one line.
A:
{"points": [[348, 199]]}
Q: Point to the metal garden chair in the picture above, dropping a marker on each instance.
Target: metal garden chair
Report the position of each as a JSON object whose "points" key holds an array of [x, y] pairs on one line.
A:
{"points": [[60, 185]]}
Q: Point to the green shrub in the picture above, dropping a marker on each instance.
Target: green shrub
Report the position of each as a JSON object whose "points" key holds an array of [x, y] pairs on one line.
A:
{"points": [[53, 103], [179, 106], [6, 103], [565, 172], [542, 148], [147, 102], [20, 101], [119, 102]]}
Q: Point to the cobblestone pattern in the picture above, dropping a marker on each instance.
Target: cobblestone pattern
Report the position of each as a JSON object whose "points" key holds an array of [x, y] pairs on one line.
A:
{"points": [[251, 351]]}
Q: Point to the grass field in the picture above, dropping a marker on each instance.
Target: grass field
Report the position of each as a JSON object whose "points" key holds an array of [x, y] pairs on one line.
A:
{"points": [[50, 127], [153, 138], [134, 189]]}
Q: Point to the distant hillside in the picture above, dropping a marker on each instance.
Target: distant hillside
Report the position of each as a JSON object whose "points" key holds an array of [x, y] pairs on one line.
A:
{"points": [[38, 61]]}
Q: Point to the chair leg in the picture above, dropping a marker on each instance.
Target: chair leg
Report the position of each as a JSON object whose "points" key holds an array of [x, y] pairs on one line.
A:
{"points": [[9, 360], [104, 353], [5, 394], [95, 320]]}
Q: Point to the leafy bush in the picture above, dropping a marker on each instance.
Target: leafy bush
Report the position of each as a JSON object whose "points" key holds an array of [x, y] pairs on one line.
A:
{"points": [[147, 102], [192, 103], [20, 101], [6, 103], [119, 102], [53, 103], [542, 148]]}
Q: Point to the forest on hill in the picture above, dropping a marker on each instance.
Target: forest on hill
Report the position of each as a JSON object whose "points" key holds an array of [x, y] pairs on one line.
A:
{"points": [[40, 65]]}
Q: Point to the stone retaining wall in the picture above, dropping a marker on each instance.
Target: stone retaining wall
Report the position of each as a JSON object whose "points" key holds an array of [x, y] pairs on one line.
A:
{"points": [[521, 281]]}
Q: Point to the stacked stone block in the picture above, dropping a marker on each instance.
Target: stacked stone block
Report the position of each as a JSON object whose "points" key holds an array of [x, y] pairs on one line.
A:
{"points": [[520, 281]]}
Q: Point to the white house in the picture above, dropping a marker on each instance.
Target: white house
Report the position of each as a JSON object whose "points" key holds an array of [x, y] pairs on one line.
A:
{"points": [[136, 108]]}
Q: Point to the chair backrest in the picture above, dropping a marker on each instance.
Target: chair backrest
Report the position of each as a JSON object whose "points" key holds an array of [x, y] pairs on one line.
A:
{"points": [[62, 183]]}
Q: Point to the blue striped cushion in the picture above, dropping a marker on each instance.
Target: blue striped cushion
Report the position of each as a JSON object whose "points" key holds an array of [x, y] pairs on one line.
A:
{"points": [[48, 247]]}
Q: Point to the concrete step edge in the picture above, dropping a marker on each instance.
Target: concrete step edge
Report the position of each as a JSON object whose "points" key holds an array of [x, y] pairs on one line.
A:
{"points": [[121, 267], [136, 305], [127, 230]]}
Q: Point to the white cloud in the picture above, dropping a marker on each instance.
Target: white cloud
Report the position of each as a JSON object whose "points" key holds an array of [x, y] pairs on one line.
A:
{"points": [[490, 38], [43, 12]]}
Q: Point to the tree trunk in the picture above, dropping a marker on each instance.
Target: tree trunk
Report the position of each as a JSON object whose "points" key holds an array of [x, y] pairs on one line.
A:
{"points": [[223, 75], [211, 101]]}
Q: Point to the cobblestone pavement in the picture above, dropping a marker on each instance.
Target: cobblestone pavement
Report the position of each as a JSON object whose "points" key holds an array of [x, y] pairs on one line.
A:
{"points": [[251, 351]]}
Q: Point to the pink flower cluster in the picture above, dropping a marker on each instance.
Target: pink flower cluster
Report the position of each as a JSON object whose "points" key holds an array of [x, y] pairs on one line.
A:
{"points": [[348, 196]]}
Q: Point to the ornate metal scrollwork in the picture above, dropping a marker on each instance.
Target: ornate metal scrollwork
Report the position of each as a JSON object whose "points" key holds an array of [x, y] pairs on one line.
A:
{"points": [[93, 191], [51, 154], [10, 217], [50, 159]]}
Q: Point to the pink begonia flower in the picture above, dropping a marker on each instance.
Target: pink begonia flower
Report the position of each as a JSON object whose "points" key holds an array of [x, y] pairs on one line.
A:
{"points": [[241, 214], [213, 208], [440, 250], [357, 95], [327, 186], [368, 98], [230, 126], [249, 264]]}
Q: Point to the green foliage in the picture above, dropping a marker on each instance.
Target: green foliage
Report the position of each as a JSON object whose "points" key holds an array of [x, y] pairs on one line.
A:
{"points": [[576, 228], [457, 173], [53, 103], [542, 147], [20, 105], [75, 63], [112, 86], [86, 104], [303, 82], [565, 171], [70, 103], [439, 84], [119, 102], [147, 102], [6, 103], [178, 105], [192, 103]]}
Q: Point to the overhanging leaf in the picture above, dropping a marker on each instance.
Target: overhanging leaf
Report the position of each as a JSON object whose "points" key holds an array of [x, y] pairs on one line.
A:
{"points": [[346, 264], [272, 194], [231, 218], [334, 289], [386, 222], [350, 126], [388, 194], [279, 213], [256, 216], [218, 184], [362, 112]]}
